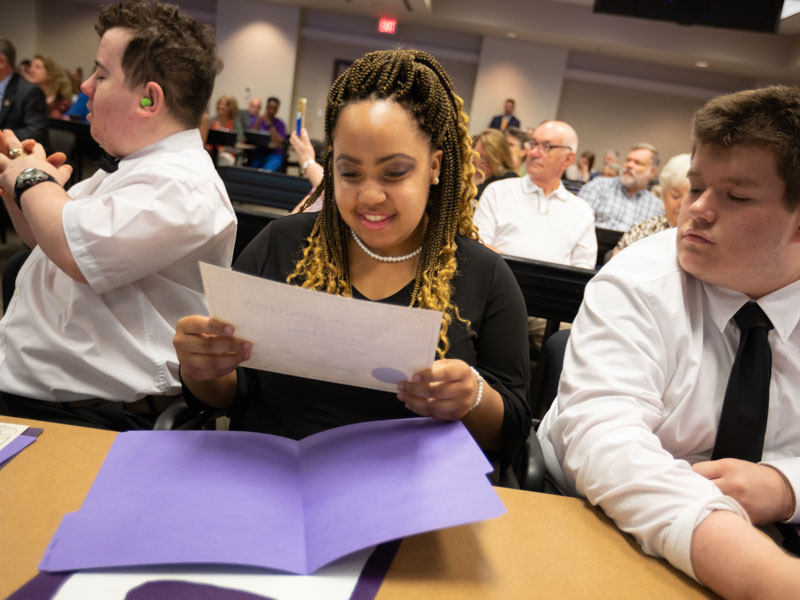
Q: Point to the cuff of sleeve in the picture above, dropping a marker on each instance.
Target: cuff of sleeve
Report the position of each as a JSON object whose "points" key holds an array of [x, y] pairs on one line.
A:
{"points": [[678, 546], [191, 400], [790, 469]]}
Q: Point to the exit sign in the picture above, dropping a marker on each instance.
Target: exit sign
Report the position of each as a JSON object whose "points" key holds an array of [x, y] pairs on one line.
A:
{"points": [[387, 25]]}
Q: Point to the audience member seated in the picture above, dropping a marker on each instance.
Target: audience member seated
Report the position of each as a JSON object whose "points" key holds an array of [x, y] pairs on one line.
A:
{"points": [[674, 189], [507, 119], [644, 424], [535, 216], [621, 202], [309, 168], [610, 170], [55, 84], [582, 170], [24, 109], [493, 159], [23, 67], [610, 157], [253, 113], [517, 140], [272, 158], [226, 120], [397, 231], [87, 336]]}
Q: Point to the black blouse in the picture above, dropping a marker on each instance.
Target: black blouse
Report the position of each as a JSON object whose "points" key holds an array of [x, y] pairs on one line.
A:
{"points": [[486, 294]]}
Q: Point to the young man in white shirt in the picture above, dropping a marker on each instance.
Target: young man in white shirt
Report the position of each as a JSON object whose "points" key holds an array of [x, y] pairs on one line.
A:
{"points": [[636, 427], [87, 338]]}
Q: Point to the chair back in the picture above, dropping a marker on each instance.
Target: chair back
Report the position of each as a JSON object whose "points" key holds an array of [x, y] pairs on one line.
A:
{"points": [[551, 291], [259, 197], [606, 240]]}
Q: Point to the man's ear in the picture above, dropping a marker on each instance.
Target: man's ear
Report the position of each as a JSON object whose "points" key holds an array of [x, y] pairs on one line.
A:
{"points": [[152, 100]]}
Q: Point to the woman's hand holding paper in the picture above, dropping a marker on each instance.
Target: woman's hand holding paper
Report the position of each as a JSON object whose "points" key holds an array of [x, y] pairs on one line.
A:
{"points": [[446, 391]]}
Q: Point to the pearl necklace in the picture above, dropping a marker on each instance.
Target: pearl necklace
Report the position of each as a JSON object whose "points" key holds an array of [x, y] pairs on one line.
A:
{"points": [[378, 257]]}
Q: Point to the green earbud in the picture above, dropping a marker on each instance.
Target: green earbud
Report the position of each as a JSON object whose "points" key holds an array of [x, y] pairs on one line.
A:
{"points": [[146, 102]]}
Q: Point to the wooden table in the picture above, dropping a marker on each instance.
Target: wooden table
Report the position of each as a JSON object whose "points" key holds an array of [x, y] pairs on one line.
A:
{"points": [[543, 547]]}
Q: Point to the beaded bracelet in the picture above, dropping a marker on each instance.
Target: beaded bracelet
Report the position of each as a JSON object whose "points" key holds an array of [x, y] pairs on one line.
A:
{"points": [[304, 166], [480, 390]]}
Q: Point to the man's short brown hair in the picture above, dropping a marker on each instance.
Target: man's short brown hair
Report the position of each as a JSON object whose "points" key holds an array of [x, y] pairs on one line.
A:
{"points": [[768, 118], [7, 49], [170, 48]]}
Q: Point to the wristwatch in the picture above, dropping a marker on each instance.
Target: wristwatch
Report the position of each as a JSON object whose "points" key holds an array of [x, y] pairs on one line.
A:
{"points": [[27, 179]]}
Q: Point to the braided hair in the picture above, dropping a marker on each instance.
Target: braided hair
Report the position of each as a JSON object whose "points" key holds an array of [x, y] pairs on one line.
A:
{"points": [[416, 81]]}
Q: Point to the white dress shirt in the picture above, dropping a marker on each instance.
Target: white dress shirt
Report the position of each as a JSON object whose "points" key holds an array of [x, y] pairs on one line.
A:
{"points": [[137, 236], [515, 217], [641, 394]]}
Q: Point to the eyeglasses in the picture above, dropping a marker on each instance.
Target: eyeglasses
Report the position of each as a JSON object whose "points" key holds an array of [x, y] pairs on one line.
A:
{"points": [[544, 147]]}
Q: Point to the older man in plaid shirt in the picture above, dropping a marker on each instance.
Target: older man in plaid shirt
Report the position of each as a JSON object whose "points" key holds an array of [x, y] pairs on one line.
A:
{"points": [[620, 202]]}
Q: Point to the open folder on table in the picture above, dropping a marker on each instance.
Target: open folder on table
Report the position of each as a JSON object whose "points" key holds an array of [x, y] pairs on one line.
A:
{"points": [[252, 499], [14, 438], [321, 336]]}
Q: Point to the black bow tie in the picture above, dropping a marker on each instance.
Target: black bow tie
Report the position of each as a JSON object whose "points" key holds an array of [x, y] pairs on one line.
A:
{"points": [[108, 163]]}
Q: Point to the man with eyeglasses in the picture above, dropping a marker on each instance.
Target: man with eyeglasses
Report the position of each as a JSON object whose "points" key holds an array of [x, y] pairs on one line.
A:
{"points": [[535, 216], [621, 202]]}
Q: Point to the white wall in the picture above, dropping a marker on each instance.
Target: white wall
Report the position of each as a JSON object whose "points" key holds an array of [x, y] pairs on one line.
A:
{"points": [[18, 25], [606, 116], [528, 72], [66, 33], [326, 37], [258, 44], [315, 64]]}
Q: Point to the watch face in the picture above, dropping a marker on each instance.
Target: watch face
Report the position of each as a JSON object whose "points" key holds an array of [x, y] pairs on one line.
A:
{"points": [[28, 176], [27, 179]]}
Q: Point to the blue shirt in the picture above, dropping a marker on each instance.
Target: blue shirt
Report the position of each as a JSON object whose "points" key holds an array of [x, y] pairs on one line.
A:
{"points": [[79, 107], [614, 209], [3, 86]]}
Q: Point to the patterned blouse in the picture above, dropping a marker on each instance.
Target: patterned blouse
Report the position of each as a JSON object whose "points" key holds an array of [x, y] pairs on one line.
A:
{"points": [[642, 230]]}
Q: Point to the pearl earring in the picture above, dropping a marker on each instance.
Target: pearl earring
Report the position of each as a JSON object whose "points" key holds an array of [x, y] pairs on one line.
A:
{"points": [[435, 180]]}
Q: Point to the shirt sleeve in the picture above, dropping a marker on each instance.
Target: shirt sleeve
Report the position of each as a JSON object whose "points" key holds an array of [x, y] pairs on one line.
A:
{"points": [[147, 223], [584, 254], [503, 355], [790, 468], [602, 430], [484, 218], [280, 127]]}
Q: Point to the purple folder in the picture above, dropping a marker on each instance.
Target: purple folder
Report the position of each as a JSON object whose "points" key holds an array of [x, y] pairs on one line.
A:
{"points": [[25, 439], [240, 498]]}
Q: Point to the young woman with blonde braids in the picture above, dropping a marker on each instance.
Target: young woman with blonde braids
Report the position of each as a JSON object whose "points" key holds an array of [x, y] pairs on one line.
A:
{"points": [[397, 183]]}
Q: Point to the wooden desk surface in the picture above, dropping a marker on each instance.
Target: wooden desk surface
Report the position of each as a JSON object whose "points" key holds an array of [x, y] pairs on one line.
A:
{"points": [[544, 546]]}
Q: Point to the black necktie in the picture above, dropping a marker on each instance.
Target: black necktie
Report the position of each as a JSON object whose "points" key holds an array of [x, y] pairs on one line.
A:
{"points": [[744, 412]]}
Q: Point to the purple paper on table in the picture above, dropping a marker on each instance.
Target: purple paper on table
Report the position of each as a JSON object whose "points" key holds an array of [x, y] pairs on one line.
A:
{"points": [[240, 498], [25, 439]]}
